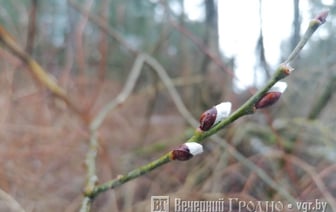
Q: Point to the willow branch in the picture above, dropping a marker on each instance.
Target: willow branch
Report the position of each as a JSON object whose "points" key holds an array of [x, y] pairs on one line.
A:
{"points": [[140, 61], [246, 109], [313, 26]]}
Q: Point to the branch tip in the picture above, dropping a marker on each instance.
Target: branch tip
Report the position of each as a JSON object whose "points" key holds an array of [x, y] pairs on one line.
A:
{"points": [[322, 16], [286, 69]]}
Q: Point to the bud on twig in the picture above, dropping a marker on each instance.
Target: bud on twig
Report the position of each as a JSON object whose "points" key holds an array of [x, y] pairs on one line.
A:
{"points": [[322, 16], [272, 96], [286, 69], [186, 151], [214, 115]]}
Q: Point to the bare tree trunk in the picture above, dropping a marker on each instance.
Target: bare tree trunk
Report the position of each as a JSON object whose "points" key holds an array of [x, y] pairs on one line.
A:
{"points": [[31, 27], [185, 62], [296, 24], [260, 49], [211, 31], [219, 84]]}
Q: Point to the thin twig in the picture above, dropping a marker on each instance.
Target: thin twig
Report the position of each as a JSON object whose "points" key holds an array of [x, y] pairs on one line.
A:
{"points": [[86, 205], [247, 108], [313, 25], [141, 60], [37, 71], [11, 203], [103, 25], [177, 82], [90, 161], [254, 168], [135, 73], [316, 178], [324, 99], [322, 174], [31, 27], [211, 55], [80, 52], [165, 159]]}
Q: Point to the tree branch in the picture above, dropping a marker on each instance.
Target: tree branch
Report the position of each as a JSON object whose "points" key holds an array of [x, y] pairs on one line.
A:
{"points": [[247, 108], [37, 71]]}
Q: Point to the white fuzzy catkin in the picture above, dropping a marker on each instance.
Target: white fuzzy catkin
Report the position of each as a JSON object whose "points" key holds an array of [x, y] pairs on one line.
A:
{"points": [[278, 87], [194, 148], [223, 111]]}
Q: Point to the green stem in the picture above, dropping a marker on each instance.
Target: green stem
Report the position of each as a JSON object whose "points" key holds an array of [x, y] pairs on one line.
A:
{"points": [[313, 25], [246, 109], [131, 175]]}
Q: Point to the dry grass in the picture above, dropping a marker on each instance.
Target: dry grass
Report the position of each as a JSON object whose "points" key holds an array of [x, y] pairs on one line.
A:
{"points": [[43, 146]]}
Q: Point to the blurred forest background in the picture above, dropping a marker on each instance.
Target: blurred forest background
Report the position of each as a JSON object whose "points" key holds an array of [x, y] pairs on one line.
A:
{"points": [[89, 47]]}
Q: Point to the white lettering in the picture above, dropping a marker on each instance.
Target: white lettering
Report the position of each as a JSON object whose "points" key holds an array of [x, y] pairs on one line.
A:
{"points": [[178, 204]]}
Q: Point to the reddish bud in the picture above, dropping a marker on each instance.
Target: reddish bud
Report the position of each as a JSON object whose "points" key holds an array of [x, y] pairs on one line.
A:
{"points": [[181, 153], [322, 16], [286, 69], [214, 115], [208, 119], [186, 151], [272, 96], [268, 99]]}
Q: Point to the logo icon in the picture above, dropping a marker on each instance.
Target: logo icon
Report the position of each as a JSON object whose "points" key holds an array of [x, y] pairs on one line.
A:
{"points": [[160, 204]]}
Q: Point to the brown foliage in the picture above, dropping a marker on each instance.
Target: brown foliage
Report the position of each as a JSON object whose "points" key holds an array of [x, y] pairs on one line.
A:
{"points": [[43, 142]]}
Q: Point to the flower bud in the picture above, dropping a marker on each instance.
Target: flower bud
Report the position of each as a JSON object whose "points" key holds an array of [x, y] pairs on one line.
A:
{"points": [[214, 115], [322, 16], [186, 151], [272, 96], [286, 69]]}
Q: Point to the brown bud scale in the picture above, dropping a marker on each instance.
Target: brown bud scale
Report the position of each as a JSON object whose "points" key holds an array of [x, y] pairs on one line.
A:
{"points": [[207, 119], [322, 16], [268, 99], [181, 153]]}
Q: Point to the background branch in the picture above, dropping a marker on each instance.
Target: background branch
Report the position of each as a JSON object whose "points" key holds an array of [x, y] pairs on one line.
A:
{"points": [[37, 71], [316, 178], [9, 203], [323, 100]]}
